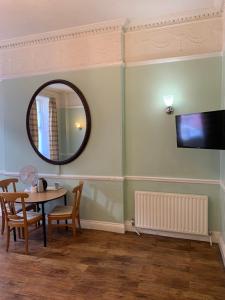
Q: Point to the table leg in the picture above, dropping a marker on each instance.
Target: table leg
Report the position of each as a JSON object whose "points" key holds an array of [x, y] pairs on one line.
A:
{"points": [[38, 209], [65, 200], [44, 224]]}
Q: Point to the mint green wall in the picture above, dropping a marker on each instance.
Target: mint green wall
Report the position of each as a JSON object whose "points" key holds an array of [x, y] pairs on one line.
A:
{"points": [[222, 160], [103, 153], [1, 129], [149, 147], [222, 206], [103, 200], [150, 133]]}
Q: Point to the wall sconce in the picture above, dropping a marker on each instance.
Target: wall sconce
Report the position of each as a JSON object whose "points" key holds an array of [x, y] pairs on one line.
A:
{"points": [[78, 125], [168, 100]]}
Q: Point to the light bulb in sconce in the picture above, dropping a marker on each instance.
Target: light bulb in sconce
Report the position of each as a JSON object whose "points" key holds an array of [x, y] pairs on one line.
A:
{"points": [[168, 100], [78, 125]]}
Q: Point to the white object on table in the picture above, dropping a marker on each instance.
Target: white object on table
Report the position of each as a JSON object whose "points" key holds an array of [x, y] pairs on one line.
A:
{"points": [[53, 188]]}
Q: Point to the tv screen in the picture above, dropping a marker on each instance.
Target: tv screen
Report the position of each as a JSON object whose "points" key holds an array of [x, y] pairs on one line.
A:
{"points": [[204, 130]]}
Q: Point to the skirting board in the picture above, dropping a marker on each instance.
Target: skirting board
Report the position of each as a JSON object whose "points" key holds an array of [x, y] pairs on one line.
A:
{"points": [[101, 225], [121, 228], [215, 234], [222, 249]]}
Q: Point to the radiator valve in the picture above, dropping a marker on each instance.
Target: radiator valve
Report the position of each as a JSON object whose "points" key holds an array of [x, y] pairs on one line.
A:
{"points": [[133, 225]]}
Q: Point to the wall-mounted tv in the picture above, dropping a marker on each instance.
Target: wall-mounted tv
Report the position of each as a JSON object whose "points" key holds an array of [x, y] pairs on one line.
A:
{"points": [[204, 130]]}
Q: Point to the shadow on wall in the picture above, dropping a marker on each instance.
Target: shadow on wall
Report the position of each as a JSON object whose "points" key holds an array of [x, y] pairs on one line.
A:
{"points": [[101, 201]]}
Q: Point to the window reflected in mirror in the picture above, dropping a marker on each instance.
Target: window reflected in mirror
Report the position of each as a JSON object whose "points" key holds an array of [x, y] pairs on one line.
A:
{"points": [[58, 116]]}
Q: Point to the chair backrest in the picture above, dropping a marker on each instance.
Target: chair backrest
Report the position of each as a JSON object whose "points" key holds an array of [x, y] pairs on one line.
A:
{"points": [[77, 191], [8, 205], [6, 184]]}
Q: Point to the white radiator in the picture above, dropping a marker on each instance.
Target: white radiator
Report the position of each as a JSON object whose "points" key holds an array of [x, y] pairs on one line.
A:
{"points": [[181, 213]]}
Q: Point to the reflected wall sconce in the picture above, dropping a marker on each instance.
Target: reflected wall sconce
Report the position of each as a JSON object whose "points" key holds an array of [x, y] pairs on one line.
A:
{"points": [[168, 100], [78, 125]]}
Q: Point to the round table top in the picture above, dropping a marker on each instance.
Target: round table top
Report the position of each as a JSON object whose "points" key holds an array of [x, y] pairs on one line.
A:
{"points": [[45, 196]]}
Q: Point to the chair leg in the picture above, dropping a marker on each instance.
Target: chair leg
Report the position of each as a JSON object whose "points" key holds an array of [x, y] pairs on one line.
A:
{"points": [[67, 228], [36, 209], [8, 238], [22, 232], [14, 234], [78, 219], [3, 223], [19, 233], [26, 240], [74, 228], [58, 227]]}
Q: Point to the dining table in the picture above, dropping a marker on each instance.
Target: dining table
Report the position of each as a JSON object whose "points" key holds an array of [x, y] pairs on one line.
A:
{"points": [[40, 198]]}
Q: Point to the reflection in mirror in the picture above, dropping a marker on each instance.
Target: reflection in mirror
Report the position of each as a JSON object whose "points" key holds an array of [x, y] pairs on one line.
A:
{"points": [[58, 122]]}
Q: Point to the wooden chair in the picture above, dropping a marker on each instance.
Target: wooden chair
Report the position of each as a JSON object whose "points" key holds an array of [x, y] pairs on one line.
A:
{"points": [[66, 213], [8, 185], [21, 220]]}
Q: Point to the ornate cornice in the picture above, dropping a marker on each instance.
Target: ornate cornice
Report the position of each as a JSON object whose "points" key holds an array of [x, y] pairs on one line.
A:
{"points": [[105, 27], [64, 34], [111, 43], [174, 20]]}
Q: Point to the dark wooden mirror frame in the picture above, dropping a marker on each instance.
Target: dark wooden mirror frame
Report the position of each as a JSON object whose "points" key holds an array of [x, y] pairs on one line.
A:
{"points": [[88, 121]]}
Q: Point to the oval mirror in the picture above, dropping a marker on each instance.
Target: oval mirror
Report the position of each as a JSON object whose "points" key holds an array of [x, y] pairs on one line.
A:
{"points": [[58, 122]]}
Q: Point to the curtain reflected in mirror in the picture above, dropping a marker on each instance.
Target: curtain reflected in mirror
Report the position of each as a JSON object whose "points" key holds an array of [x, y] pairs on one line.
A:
{"points": [[57, 122]]}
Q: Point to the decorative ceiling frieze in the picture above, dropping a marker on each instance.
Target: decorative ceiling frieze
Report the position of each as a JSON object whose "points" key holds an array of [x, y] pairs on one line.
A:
{"points": [[64, 34], [106, 27], [174, 20]]}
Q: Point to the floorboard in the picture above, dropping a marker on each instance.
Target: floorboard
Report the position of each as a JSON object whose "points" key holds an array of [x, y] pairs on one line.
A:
{"points": [[103, 265]]}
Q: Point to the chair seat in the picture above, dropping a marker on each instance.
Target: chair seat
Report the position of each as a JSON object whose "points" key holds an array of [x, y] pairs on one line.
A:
{"points": [[31, 216], [61, 210]]}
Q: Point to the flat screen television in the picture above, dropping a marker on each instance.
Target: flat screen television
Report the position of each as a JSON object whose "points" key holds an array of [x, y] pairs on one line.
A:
{"points": [[205, 130]]}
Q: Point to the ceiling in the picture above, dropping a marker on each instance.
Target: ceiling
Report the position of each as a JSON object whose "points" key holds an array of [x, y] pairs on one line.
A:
{"points": [[19, 18]]}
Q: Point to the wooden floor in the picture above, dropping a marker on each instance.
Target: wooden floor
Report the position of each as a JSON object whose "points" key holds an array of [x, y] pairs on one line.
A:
{"points": [[101, 265]]}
